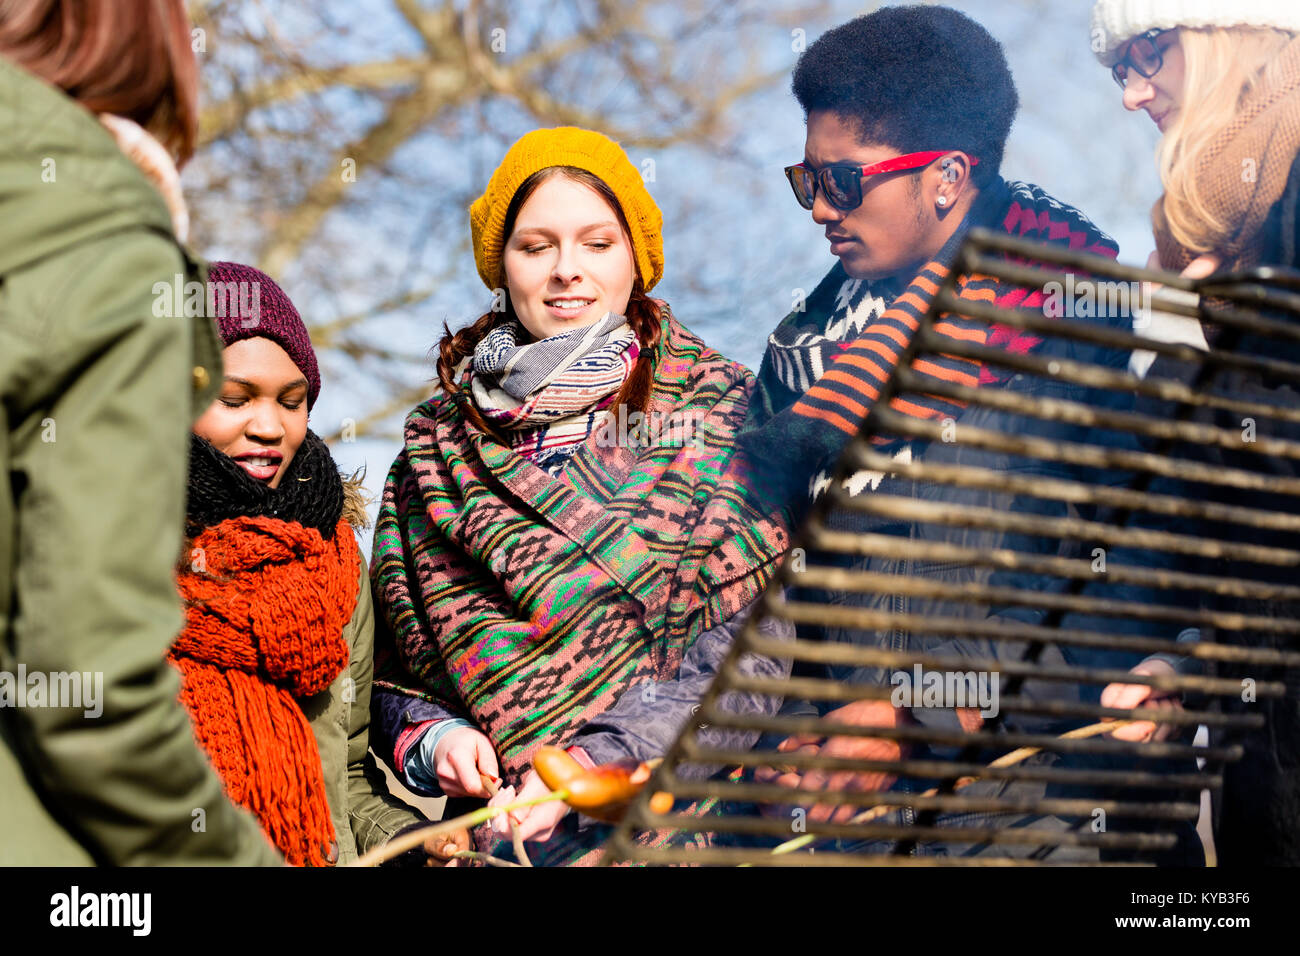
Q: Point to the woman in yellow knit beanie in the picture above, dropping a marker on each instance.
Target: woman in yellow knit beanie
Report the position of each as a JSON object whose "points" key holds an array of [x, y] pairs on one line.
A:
{"points": [[568, 520], [577, 149], [566, 165]]}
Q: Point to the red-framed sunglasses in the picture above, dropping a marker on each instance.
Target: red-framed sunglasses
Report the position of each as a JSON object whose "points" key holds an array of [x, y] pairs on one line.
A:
{"points": [[842, 183]]}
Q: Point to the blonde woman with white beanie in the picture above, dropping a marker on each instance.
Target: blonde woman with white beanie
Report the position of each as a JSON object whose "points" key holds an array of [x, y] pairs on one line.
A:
{"points": [[1221, 80]]}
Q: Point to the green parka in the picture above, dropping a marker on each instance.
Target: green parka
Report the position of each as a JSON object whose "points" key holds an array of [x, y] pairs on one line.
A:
{"points": [[365, 815], [99, 387]]}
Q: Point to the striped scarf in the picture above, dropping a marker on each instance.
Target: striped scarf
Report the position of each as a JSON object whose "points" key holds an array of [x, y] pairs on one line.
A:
{"points": [[791, 429], [801, 354], [549, 395]]}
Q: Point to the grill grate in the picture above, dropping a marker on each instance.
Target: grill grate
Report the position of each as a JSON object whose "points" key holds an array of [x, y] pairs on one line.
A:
{"points": [[1057, 531]]}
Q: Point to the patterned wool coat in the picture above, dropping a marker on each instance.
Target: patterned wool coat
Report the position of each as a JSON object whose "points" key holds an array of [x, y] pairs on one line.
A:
{"points": [[528, 603]]}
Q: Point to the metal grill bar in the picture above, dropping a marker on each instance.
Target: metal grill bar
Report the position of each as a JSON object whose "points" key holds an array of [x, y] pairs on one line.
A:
{"points": [[837, 579], [894, 506], [623, 850], [952, 770], [948, 302], [1089, 456], [1076, 413], [813, 688], [871, 544], [834, 653], [1095, 376], [1000, 742], [747, 825], [1264, 287], [1075, 492], [955, 803]]}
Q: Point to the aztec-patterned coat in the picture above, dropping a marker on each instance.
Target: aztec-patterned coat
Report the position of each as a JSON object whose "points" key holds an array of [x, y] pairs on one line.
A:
{"points": [[528, 603]]}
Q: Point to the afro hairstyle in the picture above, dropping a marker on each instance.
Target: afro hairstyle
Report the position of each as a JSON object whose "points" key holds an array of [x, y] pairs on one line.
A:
{"points": [[914, 78]]}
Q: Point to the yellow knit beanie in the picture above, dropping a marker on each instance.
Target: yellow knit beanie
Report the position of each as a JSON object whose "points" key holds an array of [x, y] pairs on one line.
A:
{"points": [[582, 149]]}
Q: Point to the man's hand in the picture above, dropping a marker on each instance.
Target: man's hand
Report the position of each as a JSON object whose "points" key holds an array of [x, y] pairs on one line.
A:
{"points": [[438, 850], [441, 849], [862, 713], [799, 743], [1129, 696]]}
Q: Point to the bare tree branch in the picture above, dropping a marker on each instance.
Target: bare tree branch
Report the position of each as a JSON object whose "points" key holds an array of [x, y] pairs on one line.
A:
{"points": [[404, 118], [417, 94]]}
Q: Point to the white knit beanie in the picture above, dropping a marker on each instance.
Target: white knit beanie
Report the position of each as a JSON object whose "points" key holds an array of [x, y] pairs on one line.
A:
{"points": [[1115, 22]]}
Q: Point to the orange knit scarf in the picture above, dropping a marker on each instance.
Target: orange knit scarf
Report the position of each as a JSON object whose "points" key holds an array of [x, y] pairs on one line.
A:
{"points": [[266, 603]]}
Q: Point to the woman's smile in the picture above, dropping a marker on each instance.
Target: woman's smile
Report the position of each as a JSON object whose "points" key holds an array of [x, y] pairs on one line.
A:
{"points": [[262, 465], [260, 419], [568, 307]]}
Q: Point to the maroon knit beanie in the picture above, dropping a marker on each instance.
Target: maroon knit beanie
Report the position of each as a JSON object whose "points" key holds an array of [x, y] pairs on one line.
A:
{"points": [[247, 303]]}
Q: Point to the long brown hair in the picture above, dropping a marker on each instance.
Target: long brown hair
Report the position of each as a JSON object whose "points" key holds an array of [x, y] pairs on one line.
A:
{"points": [[128, 57], [644, 316]]}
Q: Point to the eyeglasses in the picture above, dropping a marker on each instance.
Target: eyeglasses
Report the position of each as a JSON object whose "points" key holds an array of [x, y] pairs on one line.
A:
{"points": [[1143, 56], [841, 184]]}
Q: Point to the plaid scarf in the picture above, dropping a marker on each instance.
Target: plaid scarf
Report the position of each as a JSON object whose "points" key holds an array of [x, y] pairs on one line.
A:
{"points": [[792, 433], [549, 395]]}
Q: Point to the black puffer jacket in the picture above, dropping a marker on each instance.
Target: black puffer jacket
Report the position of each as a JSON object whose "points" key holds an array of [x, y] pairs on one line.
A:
{"points": [[1258, 818]]}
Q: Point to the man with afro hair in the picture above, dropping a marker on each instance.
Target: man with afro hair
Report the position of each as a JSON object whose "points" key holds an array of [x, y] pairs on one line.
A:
{"points": [[908, 110], [905, 80]]}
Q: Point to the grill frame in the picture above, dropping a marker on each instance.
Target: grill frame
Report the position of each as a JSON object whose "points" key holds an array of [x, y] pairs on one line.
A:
{"points": [[1233, 304]]}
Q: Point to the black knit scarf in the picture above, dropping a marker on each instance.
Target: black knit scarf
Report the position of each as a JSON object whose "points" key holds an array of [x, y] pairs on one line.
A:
{"points": [[310, 493]]}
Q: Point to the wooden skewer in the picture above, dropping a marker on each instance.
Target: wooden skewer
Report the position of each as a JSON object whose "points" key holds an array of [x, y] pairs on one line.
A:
{"points": [[409, 841], [487, 858], [520, 853], [492, 787]]}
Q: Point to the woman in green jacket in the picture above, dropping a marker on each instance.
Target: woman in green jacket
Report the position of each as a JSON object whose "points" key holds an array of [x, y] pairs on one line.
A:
{"points": [[100, 381], [275, 657]]}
